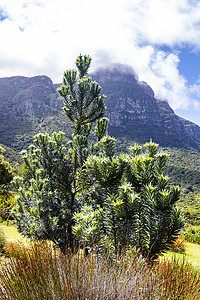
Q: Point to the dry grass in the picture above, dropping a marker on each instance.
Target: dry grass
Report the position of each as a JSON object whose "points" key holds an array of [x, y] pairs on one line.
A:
{"points": [[41, 272], [11, 233], [37, 271]]}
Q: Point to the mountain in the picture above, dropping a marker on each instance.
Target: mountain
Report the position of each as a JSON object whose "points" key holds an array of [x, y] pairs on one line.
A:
{"points": [[31, 105], [134, 112], [25, 105]]}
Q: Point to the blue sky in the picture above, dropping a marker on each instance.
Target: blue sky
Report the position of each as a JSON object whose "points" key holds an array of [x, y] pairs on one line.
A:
{"points": [[160, 39], [189, 65]]}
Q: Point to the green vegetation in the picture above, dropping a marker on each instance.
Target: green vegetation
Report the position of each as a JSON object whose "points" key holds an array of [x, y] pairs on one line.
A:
{"points": [[192, 234], [190, 254], [18, 132], [89, 194], [6, 175], [2, 240], [183, 167], [7, 202], [132, 200], [6, 172], [13, 157], [46, 209]]}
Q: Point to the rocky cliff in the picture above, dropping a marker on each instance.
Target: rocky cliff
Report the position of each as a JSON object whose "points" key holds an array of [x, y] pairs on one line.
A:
{"points": [[29, 105], [134, 111]]}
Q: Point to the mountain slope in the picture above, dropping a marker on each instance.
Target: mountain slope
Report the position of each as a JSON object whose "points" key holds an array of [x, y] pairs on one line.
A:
{"points": [[134, 112], [30, 105]]}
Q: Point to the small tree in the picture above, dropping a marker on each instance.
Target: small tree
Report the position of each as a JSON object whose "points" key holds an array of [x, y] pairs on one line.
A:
{"points": [[157, 217], [47, 201]]}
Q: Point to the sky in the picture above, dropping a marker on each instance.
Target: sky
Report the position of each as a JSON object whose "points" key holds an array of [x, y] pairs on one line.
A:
{"points": [[159, 39]]}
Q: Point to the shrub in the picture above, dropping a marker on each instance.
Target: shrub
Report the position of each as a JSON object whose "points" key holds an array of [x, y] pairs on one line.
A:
{"points": [[2, 241], [179, 245], [192, 234], [7, 202]]}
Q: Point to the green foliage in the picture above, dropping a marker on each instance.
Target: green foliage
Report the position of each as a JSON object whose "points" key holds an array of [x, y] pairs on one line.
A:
{"points": [[159, 221], [6, 175], [12, 157], [45, 204], [47, 198], [86, 229], [183, 167], [83, 104], [6, 172], [18, 132], [137, 201], [101, 128], [108, 201], [7, 202], [2, 241], [192, 234]]}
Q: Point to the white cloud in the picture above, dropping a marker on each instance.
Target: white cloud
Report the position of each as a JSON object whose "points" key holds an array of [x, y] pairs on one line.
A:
{"points": [[163, 76], [46, 36], [167, 21]]}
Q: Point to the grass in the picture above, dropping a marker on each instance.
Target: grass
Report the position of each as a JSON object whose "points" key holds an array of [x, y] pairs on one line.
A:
{"points": [[38, 272], [11, 233], [192, 254]]}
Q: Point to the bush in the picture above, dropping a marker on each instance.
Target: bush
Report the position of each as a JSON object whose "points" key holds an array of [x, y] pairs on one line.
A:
{"points": [[41, 272], [7, 202], [192, 234], [2, 241], [179, 245]]}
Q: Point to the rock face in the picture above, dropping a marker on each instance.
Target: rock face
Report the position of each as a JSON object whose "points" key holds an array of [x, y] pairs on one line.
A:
{"points": [[134, 111], [25, 96], [129, 102], [26, 104]]}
